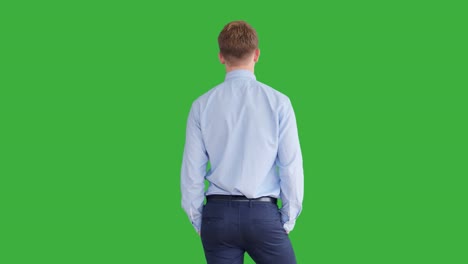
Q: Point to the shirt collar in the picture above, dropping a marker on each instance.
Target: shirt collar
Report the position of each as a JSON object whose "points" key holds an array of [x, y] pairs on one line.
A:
{"points": [[240, 74]]}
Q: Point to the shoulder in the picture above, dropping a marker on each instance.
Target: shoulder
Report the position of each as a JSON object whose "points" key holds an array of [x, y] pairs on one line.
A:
{"points": [[202, 100], [204, 97], [274, 94]]}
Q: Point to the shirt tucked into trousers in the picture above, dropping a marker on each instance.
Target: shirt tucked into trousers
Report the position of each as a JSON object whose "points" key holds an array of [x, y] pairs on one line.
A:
{"points": [[248, 133]]}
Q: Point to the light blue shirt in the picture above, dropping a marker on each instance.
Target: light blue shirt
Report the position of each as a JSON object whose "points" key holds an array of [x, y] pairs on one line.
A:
{"points": [[248, 133]]}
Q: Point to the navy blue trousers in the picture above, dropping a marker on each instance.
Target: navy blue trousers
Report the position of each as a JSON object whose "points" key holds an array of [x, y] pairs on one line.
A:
{"points": [[231, 228]]}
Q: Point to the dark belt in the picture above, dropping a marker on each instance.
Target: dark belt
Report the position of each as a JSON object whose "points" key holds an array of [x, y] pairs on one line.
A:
{"points": [[240, 198]]}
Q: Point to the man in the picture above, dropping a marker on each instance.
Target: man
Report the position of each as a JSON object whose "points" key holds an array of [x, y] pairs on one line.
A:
{"points": [[247, 131]]}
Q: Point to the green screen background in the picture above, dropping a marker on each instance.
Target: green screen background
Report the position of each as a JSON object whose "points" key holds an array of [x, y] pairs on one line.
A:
{"points": [[94, 97]]}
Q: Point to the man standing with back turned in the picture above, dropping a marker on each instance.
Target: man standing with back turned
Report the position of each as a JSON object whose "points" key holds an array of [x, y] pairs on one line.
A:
{"points": [[248, 133]]}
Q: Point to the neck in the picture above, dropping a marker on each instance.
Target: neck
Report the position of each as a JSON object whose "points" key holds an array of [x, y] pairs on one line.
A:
{"points": [[249, 67]]}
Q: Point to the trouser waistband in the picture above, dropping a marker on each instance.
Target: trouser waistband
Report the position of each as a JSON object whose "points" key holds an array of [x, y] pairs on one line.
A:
{"points": [[240, 198]]}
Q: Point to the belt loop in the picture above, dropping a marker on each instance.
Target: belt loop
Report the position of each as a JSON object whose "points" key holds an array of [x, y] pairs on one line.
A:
{"points": [[250, 203]]}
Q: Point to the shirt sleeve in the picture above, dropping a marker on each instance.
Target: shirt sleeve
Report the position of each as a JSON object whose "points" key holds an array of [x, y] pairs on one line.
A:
{"points": [[289, 162], [193, 171]]}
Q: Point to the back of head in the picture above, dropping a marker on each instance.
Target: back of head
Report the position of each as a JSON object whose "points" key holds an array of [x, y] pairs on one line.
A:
{"points": [[237, 41]]}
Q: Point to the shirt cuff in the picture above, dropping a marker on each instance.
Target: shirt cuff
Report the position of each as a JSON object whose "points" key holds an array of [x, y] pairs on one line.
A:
{"points": [[289, 226], [197, 224]]}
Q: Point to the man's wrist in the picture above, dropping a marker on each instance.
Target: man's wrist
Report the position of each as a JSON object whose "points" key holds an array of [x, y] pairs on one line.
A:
{"points": [[289, 226]]}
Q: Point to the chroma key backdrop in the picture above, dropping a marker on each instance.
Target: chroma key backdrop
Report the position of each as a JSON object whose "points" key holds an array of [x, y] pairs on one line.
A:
{"points": [[94, 99]]}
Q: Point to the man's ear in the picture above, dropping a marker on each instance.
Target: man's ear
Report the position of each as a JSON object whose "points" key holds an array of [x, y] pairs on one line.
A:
{"points": [[256, 55], [221, 58]]}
